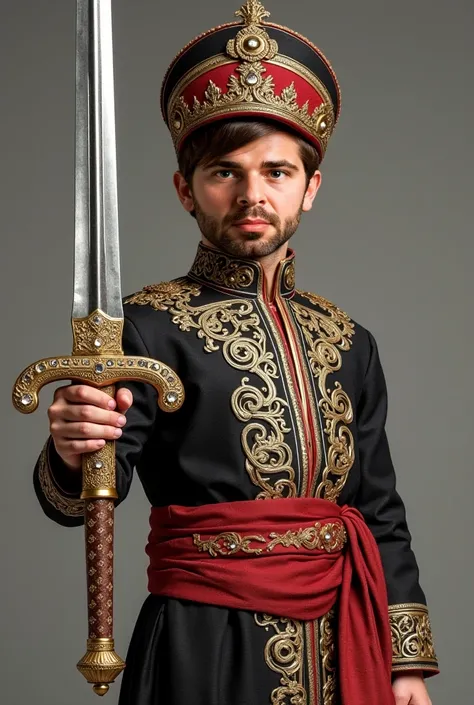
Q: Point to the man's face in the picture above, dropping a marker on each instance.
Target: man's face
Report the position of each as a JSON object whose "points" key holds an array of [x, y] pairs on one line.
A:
{"points": [[249, 203]]}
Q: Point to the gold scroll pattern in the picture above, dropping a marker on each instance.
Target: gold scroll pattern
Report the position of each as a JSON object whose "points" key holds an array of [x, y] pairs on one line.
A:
{"points": [[284, 655], [221, 270], [235, 327], [325, 537], [327, 649], [326, 336], [412, 639], [68, 506]]}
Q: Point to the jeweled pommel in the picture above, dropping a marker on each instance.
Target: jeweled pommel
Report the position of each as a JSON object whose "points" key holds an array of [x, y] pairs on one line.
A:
{"points": [[253, 68]]}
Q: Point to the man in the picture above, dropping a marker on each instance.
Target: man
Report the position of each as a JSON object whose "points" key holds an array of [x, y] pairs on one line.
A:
{"points": [[254, 602]]}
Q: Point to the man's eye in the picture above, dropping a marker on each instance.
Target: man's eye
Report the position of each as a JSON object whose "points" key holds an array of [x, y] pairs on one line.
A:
{"points": [[224, 173], [277, 174]]}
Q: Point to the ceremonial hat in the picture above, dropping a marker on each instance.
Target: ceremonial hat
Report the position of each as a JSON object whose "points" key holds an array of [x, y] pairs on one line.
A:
{"points": [[251, 68]]}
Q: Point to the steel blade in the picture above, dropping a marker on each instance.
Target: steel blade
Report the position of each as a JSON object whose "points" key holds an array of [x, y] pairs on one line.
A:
{"points": [[97, 282]]}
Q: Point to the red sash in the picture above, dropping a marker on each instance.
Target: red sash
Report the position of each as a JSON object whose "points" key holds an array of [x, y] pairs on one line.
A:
{"points": [[288, 558]]}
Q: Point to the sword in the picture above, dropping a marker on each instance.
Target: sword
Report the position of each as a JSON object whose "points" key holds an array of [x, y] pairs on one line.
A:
{"points": [[97, 325]]}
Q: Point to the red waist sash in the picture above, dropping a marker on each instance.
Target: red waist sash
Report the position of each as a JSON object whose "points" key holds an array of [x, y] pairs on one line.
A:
{"points": [[289, 558]]}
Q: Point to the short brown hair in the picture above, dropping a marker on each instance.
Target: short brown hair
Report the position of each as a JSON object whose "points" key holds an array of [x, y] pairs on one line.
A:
{"points": [[210, 142]]}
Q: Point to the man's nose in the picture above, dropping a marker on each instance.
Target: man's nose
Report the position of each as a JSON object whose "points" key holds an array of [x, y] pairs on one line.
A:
{"points": [[252, 192]]}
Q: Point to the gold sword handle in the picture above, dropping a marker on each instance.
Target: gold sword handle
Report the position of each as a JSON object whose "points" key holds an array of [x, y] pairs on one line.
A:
{"points": [[100, 665], [98, 360]]}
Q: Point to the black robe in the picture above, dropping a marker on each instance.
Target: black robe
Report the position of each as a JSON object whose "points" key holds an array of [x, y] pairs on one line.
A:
{"points": [[285, 397]]}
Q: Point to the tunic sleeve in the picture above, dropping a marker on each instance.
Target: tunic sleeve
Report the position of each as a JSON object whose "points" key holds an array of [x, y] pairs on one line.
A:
{"points": [[384, 512], [58, 488]]}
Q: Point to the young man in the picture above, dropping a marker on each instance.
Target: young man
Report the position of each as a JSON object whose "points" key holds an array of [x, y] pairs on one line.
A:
{"points": [[280, 562]]}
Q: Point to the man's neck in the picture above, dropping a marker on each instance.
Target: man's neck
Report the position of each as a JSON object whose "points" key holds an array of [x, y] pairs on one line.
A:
{"points": [[268, 263]]}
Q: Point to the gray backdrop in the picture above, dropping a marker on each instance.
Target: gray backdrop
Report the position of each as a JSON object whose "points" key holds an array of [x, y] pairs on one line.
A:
{"points": [[390, 240]]}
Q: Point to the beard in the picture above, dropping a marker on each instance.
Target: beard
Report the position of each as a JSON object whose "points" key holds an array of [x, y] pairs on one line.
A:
{"points": [[247, 245]]}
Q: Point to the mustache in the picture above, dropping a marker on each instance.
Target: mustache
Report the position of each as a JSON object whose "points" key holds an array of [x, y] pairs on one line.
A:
{"points": [[255, 212]]}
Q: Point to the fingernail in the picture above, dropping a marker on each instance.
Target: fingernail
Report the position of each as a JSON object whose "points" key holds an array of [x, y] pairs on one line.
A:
{"points": [[121, 420], [111, 404], [118, 432]]}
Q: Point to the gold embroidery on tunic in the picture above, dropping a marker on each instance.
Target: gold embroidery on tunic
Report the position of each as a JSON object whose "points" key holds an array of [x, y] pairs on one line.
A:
{"points": [[327, 647], [412, 639], [327, 537], [236, 327], [326, 336], [221, 270], [66, 505], [284, 655]]}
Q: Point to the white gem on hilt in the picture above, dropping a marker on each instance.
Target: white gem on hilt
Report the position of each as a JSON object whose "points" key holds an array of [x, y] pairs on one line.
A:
{"points": [[110, 363], [53, 363], [251, 79], [171, 397], [97, 342], [99, 368], [232, 546], [26, 399], [97, 320], [155, 366], [98, 465], [40, 367], [253, 43], [327, 537]]}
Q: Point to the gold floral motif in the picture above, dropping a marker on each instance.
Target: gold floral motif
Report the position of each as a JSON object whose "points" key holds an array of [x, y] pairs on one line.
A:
{"points": [[284, 655], [327, 537], [327, 647], [252, 12], [165, 294], [66, 505], [327, 336], [97, 334], [236, 327], [251, 87], [227, 544], [221, 270], [412, 639], [252, 43]]}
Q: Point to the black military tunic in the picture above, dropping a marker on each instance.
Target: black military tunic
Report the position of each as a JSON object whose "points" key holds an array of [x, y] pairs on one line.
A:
{"points": [[285, 397]]}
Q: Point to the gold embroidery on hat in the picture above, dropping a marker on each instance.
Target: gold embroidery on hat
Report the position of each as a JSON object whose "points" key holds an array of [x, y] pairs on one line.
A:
{"points": [[251, 46], [252, 43]]}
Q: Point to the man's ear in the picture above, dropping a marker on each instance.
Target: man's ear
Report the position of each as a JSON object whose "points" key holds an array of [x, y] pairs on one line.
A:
{"points": [[184, 191], [311, 191]]}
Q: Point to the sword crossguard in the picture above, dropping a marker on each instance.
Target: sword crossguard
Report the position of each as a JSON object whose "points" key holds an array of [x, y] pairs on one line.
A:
{"points": [[97, 371]]}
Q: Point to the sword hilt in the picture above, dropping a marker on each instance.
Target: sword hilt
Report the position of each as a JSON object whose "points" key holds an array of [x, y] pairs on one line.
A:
{"points": [[98, 361], [97, 371]]}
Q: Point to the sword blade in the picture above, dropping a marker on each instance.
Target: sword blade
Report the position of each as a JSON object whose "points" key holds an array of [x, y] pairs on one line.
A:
{"points": [[97, 282]]}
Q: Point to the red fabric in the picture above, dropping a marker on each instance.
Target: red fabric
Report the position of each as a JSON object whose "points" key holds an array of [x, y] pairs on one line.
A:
{"points": [[299, 583]]}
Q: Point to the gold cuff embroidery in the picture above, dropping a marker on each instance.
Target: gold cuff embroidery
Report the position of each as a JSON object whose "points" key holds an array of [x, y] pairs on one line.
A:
{"points": [[412, 640], [66, 505], [327, 537]]}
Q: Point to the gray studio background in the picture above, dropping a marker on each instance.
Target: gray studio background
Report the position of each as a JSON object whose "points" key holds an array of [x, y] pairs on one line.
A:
{"points": [[389, 240]]}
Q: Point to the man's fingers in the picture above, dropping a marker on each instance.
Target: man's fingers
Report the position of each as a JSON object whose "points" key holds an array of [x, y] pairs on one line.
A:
{"points": [[124, 399], [84, 394], [83, 430], [86, 412]]}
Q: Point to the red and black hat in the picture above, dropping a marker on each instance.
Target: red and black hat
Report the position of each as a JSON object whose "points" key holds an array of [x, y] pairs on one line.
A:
{"points": [[259, 69]]}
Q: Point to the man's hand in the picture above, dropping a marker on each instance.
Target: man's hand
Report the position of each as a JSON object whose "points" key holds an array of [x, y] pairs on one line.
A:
{"points": [[82, 418], [409, 689]]}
